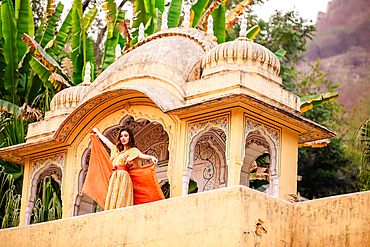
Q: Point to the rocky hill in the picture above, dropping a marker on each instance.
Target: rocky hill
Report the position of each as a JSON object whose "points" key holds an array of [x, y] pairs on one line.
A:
{"points": [[342, 42], [345, 24]]}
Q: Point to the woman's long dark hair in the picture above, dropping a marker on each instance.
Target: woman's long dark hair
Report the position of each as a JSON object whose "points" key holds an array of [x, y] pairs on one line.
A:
{"points": [[131, 141]]}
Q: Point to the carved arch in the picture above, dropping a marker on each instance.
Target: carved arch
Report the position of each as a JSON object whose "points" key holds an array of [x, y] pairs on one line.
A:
{"points": [[140, 128], [50, 169], [266, 144], [217, 148]]}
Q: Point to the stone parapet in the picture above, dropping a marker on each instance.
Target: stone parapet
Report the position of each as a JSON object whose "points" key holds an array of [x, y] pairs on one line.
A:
{"points": [[235, 216]]}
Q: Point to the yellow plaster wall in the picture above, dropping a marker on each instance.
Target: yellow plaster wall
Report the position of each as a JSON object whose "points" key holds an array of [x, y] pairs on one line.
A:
{"points": [[236, 144], [67, 188], [335, 221], [288, 165], [224, 217], [25, 189]]}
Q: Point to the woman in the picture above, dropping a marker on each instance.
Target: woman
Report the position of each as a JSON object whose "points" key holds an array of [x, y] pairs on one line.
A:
{"points": [[124, 156]]}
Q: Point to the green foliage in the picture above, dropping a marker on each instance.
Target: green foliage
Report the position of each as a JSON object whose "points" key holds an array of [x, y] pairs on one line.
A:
{"points": [[198, 9], [9, 33], [9, 201], [63, 33], [362, 141], [219, 23], [193, 187], [327, 171], [51, 25], [285, 31], [174, 13], [48, 205], [166, 189], [315, 83]]}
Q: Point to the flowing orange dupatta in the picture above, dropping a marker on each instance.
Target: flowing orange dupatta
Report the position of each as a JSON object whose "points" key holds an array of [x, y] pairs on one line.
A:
{"points": [[144, 179], [100, 169]]}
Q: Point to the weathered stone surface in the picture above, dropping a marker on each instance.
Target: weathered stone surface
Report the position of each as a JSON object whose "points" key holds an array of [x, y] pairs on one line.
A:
{"points": [[236, 216]]}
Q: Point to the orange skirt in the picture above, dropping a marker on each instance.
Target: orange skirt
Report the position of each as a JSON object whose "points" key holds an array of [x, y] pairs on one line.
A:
{"points": [[120, 191]]}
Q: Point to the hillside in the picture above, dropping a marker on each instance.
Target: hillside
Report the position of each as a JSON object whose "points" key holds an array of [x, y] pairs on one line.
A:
{"points": [[345, 24], [342, 42]]}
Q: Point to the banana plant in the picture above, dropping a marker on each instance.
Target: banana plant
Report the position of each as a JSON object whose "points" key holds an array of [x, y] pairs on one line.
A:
{"points": [[48, 205], [113, 18], [309, 102], [82, 50], [362, 140], [9, 201]]}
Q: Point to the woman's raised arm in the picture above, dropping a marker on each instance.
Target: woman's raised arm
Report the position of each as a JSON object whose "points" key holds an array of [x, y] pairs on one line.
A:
{"points": [[148, 157], [103, 138]]}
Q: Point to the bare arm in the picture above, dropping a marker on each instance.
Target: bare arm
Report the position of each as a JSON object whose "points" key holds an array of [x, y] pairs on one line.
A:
{"points": [[148, 157], [103, 138]]}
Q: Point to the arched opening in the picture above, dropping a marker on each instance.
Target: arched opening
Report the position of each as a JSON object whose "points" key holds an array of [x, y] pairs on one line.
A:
{"points": [[45, 199], [207, 161], [259, 169], [150, 138]]}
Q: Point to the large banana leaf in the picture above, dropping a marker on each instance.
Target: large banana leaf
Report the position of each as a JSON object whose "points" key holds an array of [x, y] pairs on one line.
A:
{"points": [[50, 7], [110, 49], [40, 30], [110, 8], [159, 4], [34, 85], [89, 17], [315, 144], [311, 101], [24, 18], [219, 23], [198, 9], [253, 31], [140, 14], [63, 33], [51, 26], [46, 59], [362, 140], [77, 45], [2, 60], [2, 67], [9, 33], [43, 72], [174, 13], [280, 53], [150, 7], [235, 13], [8, 107], [209, 11], [111, 43]]}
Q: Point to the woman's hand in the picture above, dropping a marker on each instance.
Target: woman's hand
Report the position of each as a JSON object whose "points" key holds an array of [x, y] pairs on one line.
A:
{"points": [[154, 160]]}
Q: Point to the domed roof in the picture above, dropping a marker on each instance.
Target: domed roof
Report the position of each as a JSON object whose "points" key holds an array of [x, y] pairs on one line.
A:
{"points": [[68, 97], [170, 55], [240, 54]]}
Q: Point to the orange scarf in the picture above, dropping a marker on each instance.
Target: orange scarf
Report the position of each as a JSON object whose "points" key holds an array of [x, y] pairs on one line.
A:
{"points": [[144, 179]]}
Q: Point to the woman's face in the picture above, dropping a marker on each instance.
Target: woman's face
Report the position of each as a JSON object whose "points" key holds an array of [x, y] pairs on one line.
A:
{"points": [[125, 137]]}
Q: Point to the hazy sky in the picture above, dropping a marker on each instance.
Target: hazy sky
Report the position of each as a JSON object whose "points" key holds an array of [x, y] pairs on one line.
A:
{"points": [[307, 9]]}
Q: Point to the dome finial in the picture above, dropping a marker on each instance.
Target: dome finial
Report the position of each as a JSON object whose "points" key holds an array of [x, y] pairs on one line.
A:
{"points": [[186, 22], [164, 20], [243, 28], [210, 26], [118, 51], [87, 76], [141, 32]]}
